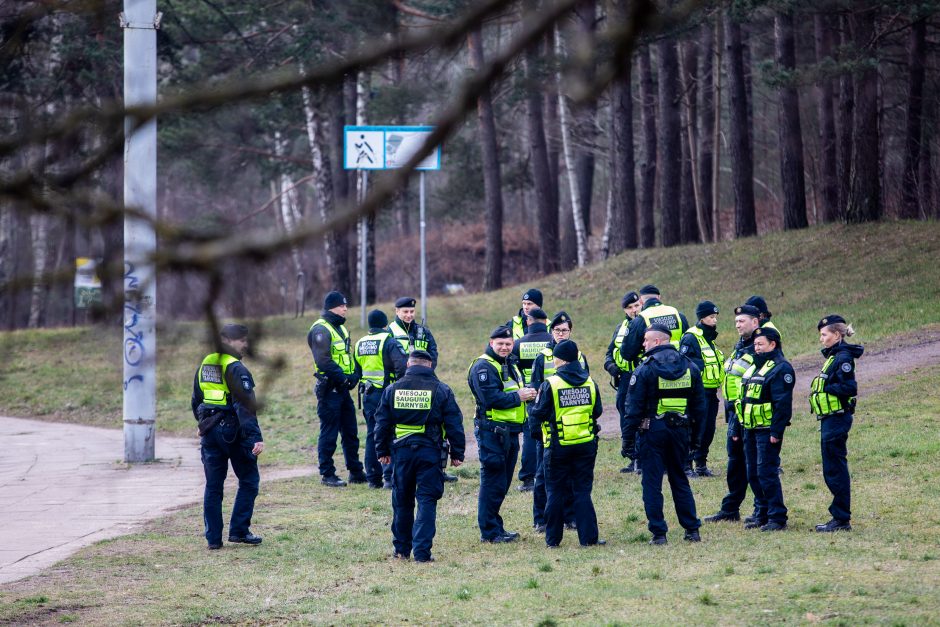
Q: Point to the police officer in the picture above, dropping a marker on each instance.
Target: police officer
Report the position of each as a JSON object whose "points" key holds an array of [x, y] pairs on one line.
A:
{"points": [[381, 360], [665, 397], [519, 324], [698, 344], [410, 334], [524, 351], [496, 385], [618, 369], [337, 373], [832, 399], [223, 403], [415, 417], [765, 315], [765, 409], [653, 311], [746, 321], [544, 366], [567, 407]]}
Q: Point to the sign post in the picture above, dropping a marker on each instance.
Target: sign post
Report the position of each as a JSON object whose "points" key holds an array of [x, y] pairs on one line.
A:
{"points": [[388, 148]]}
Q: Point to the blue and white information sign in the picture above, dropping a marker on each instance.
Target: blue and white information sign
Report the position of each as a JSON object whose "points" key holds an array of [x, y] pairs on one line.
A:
{"points": [[386, 147]]}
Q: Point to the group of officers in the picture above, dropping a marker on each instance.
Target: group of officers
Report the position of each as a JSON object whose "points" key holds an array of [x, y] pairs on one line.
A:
{"points": [[532, 380]]}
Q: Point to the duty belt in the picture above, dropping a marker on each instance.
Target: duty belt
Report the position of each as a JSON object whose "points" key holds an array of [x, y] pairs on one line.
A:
{"points": [[673, 419], [485, 424]]}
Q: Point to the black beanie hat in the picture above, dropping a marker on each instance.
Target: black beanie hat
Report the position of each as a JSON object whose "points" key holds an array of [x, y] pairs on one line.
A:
{"points": [[538, 314], [566, 350], [333, 299], [534, 295], [705, 309], [649, 289], [377, 319], [760, 303], [629, 298], [234, 332]]}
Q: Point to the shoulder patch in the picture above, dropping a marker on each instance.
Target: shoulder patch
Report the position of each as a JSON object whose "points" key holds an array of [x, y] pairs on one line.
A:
{"points": [[846, 367], [318, 337], [246, 382], [788, 378], [684, 349], [633, 380], [482, 376]]}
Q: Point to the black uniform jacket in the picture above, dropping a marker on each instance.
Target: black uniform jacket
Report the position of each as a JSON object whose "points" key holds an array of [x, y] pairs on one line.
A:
{"points": [[319, 341], [841, 381], [543, 408], [444, 412], [241, 387], [642, 399], [486, 384], [632, 345]]}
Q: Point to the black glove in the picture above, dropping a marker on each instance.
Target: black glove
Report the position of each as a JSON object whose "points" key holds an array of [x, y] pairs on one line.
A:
{"points": [[624, 449], [351, 382], [613, 369]]}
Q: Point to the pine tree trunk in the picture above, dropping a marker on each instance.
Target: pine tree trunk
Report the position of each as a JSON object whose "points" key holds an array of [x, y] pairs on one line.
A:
{"points": [[706, 125], [622, 232], [828, 154], [547, 217], [742, 162], [790, 130], [670, 129], [493, 263], [716, 138], [910, 205], [573, 187], [846, 113], [865, 198], [692, 221], [647, 220], [929, 206], [584, 120]]}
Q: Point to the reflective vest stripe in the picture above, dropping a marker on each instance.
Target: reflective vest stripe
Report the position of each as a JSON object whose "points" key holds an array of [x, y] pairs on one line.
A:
{"points": [[212, 381], [821, 403], [712, 375], [513, 414], [734, 370], [573, 408], [517, 328], [755, 414], [339, 347], [674, 394]]}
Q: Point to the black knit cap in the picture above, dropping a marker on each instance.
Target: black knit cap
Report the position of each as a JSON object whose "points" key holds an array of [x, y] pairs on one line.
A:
{"points": [[705, 309], [405, 301], [534, 295], [501, 332], [649, 289], [760, 303], [770, 333], [420, 354], [560, 318], [658, 327], [377, 319], [830, 319], [333, 299], [629, 298], [538, 314], [234, 332], [747, 310], [566, 350]]}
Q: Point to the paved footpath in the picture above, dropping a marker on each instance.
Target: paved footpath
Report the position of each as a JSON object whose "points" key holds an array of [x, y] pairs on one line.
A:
{"points": [[64, 487]]}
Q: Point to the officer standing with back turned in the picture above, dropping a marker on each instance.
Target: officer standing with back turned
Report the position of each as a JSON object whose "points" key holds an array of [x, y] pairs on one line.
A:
{"points": [[418, 426], [223, 403], [665, 396], [337, 373], [525, 350], [382, 360]]}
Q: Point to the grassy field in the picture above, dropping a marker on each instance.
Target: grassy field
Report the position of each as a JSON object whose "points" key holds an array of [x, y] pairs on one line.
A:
{"points": [[879, 276], [325, 558]]}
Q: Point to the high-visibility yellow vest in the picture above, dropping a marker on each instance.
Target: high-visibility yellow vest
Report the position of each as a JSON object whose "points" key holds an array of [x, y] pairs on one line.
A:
{"points": [[735, 367], [756, 410], [513, 414], [339, 347], [212, 378], [821, 403], [369, 354], [518, 329], [573, 408], [528, 351], [623, 364], [412, 400], [666, 316], [417, 344], [771, 325], [674, 394], [712, 375]]}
